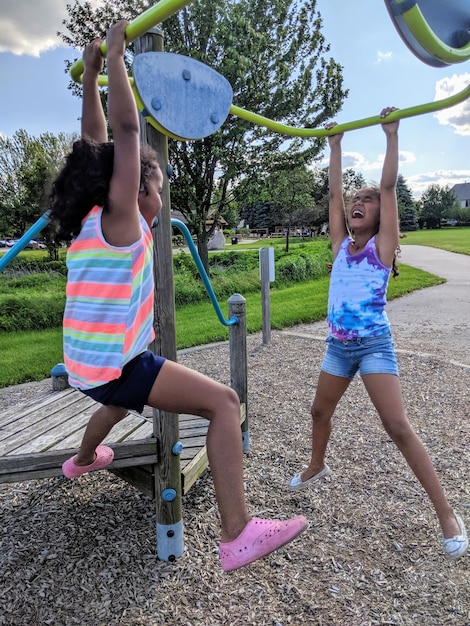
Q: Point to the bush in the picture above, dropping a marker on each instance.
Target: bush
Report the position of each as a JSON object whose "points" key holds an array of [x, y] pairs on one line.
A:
{"points": [[296, 268], [31, 312], [187, 290], [21, 266], [291, 269], [33, 293]]}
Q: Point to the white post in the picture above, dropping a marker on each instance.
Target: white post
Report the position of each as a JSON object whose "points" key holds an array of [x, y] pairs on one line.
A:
{"points": [[266, 264]]}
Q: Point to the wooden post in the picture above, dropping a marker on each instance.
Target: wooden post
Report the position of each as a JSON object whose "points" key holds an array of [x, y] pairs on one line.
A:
{"points": [[238, 358], [167, 474]]}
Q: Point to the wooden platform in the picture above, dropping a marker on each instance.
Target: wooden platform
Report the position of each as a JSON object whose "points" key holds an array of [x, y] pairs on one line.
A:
{"points": [[38, 436]]}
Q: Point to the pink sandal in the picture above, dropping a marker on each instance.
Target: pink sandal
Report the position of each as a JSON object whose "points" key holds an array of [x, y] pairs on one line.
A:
{"points": [[104, 456], [259, 538]]}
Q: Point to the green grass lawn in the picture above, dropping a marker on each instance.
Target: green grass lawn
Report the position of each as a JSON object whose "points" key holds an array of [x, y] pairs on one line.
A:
{"points": [[450, 239], [29, 356]]}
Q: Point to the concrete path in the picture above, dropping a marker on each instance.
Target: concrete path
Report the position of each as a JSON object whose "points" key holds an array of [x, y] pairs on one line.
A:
{"points": [[438, 316]]}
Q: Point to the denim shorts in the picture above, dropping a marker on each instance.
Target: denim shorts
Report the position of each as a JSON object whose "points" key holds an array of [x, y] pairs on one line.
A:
{"points": [[368, 355], [132, 389]]}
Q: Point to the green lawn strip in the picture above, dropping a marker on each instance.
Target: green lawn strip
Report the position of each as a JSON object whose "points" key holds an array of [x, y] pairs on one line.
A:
{"points": [[450, 239], [30, 355]]}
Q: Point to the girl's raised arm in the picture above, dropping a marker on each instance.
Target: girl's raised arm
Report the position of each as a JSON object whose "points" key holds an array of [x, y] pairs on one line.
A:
{"points": [[337, 221], [388, 234], [93, 119], [121, 221]]}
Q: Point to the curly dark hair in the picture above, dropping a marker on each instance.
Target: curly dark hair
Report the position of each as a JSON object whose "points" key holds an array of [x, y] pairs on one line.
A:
{"points": [[84, 181]]}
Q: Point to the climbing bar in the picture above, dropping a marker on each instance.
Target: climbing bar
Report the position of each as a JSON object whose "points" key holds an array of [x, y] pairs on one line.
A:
{"points": [[205, 279], [419, 109], [156, 14], [417, 29], [35, 229]]}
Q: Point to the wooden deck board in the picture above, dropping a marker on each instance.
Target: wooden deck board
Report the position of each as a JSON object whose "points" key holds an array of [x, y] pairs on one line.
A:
{"points": [[36, 437]]}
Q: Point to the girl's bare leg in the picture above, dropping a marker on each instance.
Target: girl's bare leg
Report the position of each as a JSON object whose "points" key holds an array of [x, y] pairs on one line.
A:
{"points": [[385, 392], [330, 389], [99, 426], [178, 389]]}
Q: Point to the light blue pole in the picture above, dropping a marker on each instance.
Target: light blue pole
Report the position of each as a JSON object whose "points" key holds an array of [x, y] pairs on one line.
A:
{"points": [[44, 220], [35, 229], [181, 226]]}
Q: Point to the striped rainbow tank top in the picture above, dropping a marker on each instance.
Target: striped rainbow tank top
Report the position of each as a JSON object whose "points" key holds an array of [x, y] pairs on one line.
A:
{"points": [[108, 318]]}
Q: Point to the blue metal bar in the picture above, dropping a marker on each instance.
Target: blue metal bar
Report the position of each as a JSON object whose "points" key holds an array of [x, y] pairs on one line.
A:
{"points": [[25, 239], [205, 279]]}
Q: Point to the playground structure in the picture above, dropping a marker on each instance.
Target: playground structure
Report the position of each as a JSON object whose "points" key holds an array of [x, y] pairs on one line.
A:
{"points": [[153, 458]]}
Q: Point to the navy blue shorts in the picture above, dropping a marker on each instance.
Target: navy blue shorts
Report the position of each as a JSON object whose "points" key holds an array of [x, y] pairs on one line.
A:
{"points": [[368, 355], [132, 389]]}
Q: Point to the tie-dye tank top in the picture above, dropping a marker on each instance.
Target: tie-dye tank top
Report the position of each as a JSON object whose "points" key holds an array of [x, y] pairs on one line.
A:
{"points": [[108, 318], [358, 293]]}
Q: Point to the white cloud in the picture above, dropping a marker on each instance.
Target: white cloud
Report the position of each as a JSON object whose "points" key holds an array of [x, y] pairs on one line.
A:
{"points": [[359, 162], [458, 116], [29, 27], [383, 56], [417, 183], [420, 182]]}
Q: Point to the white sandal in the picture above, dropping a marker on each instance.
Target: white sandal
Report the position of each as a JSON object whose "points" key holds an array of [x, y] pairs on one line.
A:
{"points": [[456, 546], [297, 483]]}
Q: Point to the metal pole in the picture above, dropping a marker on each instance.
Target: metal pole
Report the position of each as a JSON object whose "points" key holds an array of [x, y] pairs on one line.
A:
{"points": [[264, 260]]}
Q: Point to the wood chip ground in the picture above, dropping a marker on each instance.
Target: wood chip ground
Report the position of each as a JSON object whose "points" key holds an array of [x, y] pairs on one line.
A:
{"points": [[83, 552]]}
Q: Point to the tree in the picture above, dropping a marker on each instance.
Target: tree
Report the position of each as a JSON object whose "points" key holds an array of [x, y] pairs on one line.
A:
{"points": [[437, 203], [261, 214], [283, 74], [292, 192], [352, 181], [406, 206], [27, 166]]}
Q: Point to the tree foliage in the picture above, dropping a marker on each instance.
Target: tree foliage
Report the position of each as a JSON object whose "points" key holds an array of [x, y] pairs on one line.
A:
{"points": [[27, 165], [406, 206], [275, 57], [437, 203]]}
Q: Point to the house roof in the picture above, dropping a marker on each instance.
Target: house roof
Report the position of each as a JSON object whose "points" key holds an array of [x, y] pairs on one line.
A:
{"points": [[462, 191]]}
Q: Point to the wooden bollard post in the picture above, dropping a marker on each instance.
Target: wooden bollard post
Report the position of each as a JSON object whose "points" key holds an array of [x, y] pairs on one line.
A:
{"points": [[238, 358], [60, 377]]}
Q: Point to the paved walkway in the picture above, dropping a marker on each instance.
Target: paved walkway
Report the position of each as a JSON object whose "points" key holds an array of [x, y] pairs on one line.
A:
{"points": [[440, 314], [435, 320]]}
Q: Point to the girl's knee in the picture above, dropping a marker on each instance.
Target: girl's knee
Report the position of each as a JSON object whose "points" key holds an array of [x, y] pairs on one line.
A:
{"points": [[115, 414], [399, 429], [229, 398], [320, 414], [223, 401]]}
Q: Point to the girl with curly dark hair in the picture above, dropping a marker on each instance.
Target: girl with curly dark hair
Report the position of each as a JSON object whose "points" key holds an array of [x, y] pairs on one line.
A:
{"points": [[106, 199]]}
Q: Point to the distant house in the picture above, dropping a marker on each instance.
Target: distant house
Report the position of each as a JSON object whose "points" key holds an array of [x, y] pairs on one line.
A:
{"points": [[462, 192]]}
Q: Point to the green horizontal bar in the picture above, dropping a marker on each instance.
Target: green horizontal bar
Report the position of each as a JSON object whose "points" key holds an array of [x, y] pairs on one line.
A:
{"points": [[156, 14], [419, 109]]}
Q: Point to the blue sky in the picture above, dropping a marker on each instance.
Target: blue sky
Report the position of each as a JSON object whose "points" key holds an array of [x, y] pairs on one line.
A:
{"points": [[379, 70]]}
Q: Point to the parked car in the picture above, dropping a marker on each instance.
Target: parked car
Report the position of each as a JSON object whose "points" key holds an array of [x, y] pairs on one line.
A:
{"points": [[3, 243], [31, 245], [35, 245]]}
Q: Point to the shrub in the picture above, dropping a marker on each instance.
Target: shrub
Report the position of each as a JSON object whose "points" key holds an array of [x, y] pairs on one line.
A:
{"points": [[33, 293], [291, 269], [31, 312], [187, 290]]}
